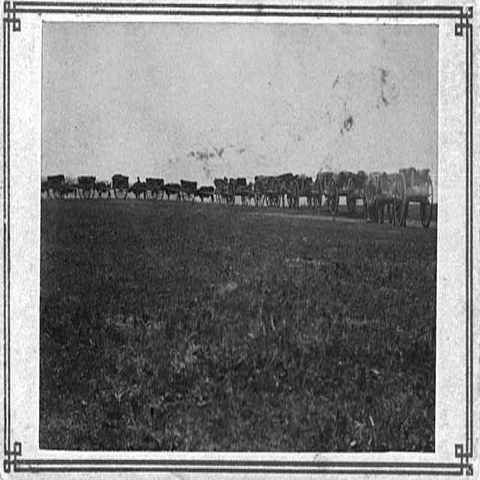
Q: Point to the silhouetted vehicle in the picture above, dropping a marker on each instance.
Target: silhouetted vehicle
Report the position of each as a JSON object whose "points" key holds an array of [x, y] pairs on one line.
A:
{"points": [[415, 186], [173, 189], [86, 186], [154, 188], [205, 192], [120, 186], [103, 188], [189, 189], [138, 189], [54, 185]]}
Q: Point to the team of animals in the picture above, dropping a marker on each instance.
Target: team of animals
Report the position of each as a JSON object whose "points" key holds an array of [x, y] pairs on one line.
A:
{"points": [[378, 192]]}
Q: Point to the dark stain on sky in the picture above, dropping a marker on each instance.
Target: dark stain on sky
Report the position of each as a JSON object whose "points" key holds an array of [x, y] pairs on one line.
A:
{"points": [[219, 151], [383, 81], [384, 99], [383, 76], [388, 89], [347, 125]]}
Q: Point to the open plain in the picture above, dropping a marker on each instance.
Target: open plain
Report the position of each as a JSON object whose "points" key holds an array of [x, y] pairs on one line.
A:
{"points": [[202, 327]]}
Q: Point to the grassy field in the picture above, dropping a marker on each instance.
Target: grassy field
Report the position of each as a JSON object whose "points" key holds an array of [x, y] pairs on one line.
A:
{"points": [[171, 326]]}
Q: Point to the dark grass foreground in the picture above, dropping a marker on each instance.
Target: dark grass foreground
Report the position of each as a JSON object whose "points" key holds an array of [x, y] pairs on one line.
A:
{"points": [[173, 326]]}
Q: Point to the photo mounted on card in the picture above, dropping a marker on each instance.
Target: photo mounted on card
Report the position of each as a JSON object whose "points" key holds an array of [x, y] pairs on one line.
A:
{"points": [[238, 238]]}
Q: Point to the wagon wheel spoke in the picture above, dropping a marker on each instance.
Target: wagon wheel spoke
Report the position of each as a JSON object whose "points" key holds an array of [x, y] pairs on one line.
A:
{"points": [[351, 199], [351, 203], [399, 201], [296, 195], [317, 195], [332, 199]]}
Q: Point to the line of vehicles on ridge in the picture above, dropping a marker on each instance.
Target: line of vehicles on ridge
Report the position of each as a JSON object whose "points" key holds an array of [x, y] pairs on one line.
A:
{"points": [[380, 194]]}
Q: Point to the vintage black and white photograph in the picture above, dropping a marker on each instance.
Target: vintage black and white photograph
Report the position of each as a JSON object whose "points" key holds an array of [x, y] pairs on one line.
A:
{"points": [[238, 247]]}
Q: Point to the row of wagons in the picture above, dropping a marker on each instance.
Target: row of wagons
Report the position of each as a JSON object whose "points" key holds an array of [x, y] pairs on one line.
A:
{"points": [[380, 194], [153, 188]]}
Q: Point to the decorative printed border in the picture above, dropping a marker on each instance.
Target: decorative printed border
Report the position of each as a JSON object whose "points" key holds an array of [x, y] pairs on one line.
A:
{"points": [[463, 28]]}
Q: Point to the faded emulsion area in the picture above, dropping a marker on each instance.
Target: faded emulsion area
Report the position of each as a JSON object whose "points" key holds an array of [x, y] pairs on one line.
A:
{"points": [[216, 273], [387, 90], [244, 99]]}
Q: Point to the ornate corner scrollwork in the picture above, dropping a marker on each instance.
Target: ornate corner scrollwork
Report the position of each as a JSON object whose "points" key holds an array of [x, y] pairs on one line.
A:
{"points": [[11, 457], [10, 13], [465, 17]]}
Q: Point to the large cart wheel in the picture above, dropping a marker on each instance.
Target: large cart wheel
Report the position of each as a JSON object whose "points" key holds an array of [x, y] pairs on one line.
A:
{"points": [[120, 192], [391, 212], [369, 201], [426, 207], [398, 211], [231, 194], [291, 195], [351, 203], [317, 201], [317, 195], [274, 194], [332, 197], [351, 199], [295, 194], [365, 208], [399, 201]]}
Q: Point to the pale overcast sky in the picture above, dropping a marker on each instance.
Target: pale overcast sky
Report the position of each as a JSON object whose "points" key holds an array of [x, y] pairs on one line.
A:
{"points": [[200, 100]]}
